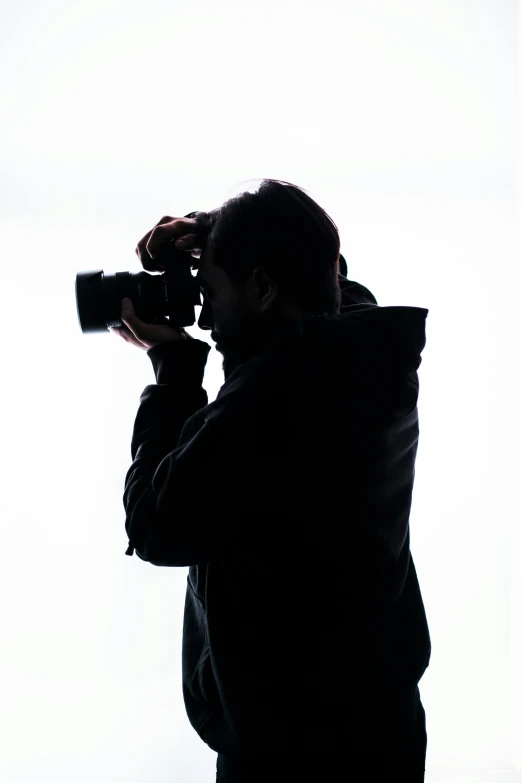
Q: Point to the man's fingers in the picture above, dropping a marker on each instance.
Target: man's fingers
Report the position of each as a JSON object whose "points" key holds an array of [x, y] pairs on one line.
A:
{"points": [[141, 248], [166, 232]]}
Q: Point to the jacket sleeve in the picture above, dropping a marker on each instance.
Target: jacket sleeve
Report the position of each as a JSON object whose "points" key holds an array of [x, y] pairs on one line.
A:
{"points": [[166, 410], [220, 489]]}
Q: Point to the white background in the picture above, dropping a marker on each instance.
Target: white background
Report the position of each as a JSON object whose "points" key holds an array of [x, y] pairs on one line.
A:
{"points": [[400, 119]]}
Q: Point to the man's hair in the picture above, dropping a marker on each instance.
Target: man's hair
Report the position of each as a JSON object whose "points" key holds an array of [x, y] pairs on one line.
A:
{"points": [[285, 232]]}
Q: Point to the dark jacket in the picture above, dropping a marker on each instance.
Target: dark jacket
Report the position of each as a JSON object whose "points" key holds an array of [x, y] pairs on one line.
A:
{"points": [[289, 499]]}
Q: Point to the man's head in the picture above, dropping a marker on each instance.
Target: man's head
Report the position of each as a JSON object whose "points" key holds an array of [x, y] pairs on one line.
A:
{"points": [[269, 258]]}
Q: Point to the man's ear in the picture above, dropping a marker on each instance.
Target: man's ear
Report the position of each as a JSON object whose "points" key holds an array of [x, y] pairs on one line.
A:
{"points": [[261, 291]]}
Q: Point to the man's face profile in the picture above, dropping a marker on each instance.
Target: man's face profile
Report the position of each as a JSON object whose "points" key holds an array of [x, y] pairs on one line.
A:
{"points": [[242, 314]]}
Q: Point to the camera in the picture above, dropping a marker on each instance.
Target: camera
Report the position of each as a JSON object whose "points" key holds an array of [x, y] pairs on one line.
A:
{"points": [[173, 293]]}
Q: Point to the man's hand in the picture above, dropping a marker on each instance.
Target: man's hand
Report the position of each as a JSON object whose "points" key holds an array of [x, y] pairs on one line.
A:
{"points": [[150, 248], [147, 336]]}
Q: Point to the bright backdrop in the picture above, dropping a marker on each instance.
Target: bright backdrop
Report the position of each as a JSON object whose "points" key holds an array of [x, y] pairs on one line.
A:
{"points": [[400, 118]]}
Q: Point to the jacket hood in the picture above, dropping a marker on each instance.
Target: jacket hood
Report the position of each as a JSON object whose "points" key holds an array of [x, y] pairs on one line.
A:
{"points": [[374, 349], [386, 342]]}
